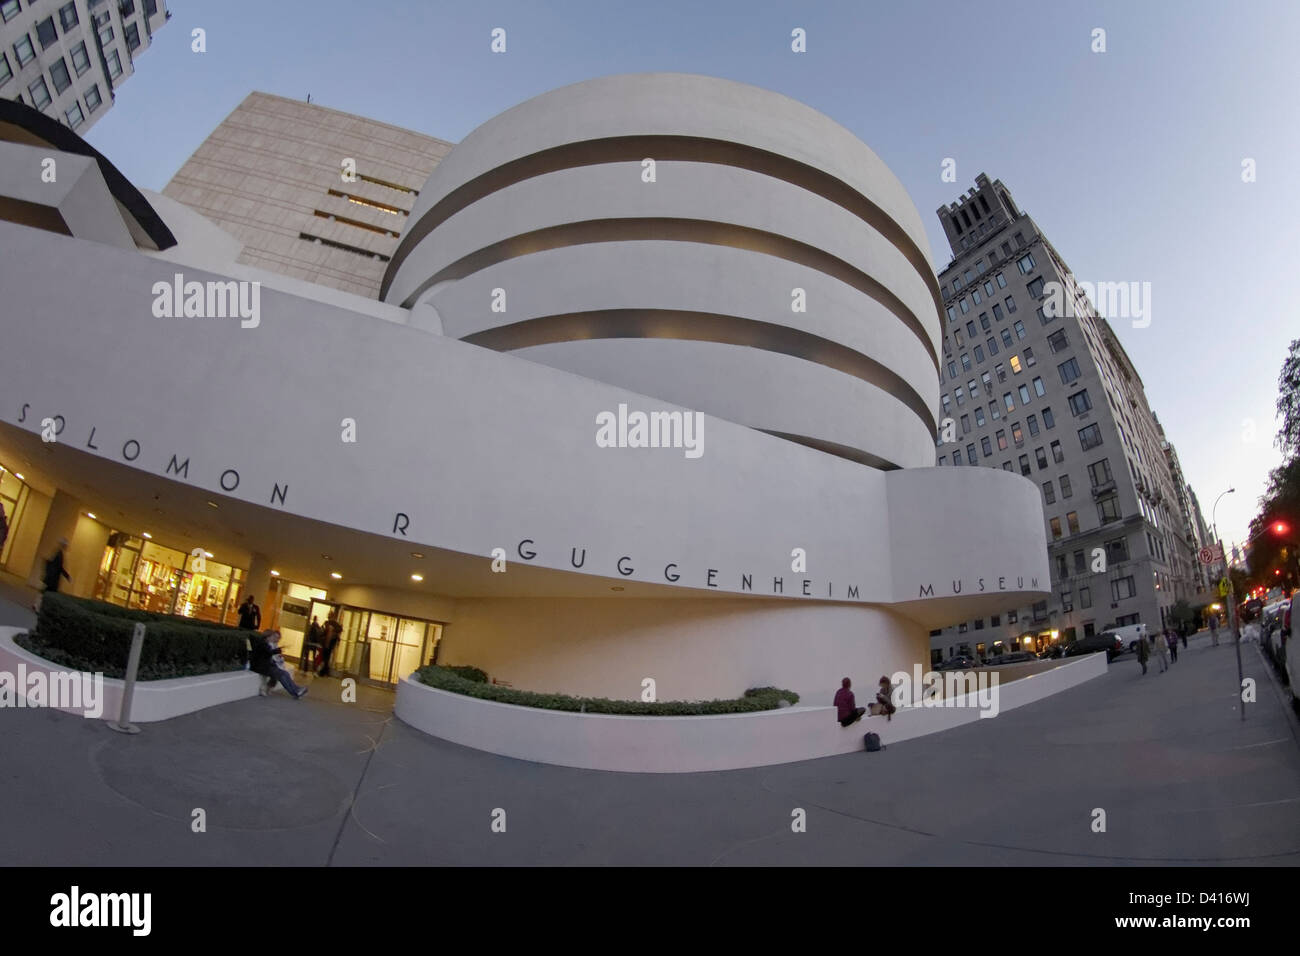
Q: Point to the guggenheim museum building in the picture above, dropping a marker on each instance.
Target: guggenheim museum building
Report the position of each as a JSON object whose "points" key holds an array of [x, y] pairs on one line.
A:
{"points": [[639, 380]]}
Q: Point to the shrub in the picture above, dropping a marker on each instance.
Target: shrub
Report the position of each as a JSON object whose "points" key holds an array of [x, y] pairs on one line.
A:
{"points": [[70, 633], [132, 614], [448, 679], [469, 673]]}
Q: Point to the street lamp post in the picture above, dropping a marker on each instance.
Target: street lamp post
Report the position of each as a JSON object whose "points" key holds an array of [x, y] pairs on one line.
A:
{"points": [[1232, 598]]}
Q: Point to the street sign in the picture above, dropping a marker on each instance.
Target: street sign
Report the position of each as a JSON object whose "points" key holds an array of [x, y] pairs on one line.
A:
{"points": [[1223, 587], [1210, 554]]}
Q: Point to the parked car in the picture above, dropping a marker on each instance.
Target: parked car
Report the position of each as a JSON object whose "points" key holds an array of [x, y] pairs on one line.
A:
{"points": [[1271, 630], [1015, 657], [958, 662], [1107, 641], [1052, 652], [1130, 634]]}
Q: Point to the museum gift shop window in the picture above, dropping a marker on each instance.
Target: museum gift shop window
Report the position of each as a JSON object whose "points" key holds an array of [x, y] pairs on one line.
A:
{"points": [[146, 576]]}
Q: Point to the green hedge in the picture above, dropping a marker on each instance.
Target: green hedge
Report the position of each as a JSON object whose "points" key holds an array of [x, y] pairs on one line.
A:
{"points": [[447, 678], [132, 614], [469, 673], [68, 632]]}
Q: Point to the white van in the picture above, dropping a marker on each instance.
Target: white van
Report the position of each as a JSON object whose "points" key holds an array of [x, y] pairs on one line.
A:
{"points": [[1129, 634]]}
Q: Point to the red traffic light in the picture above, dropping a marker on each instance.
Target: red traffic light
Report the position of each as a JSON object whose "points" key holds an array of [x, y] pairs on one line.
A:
{"points": [[1280, 527]]}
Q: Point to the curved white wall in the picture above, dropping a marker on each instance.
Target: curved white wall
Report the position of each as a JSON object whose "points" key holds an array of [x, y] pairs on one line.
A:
{"points": [[753, 197]]}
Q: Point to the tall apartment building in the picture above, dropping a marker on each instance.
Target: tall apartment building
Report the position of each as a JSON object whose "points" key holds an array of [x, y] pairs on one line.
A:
{"points": [[311, 192], [1055, 398], [68, 59]]}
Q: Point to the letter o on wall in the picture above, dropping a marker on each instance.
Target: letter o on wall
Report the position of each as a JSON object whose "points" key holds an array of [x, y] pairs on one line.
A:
{"points": [[226, 487], [129, 443]]}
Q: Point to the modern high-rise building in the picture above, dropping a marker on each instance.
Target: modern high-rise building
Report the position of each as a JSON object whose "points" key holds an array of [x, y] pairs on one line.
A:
{"points": [[67, 59], [1034, 380], [311, 193]]}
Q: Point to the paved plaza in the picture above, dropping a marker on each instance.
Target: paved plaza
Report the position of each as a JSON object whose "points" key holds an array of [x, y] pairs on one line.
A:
{"points": [[1181, 778]]}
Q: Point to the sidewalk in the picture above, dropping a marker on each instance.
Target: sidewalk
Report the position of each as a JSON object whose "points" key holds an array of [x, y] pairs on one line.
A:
{"points": [[1181, 778]]}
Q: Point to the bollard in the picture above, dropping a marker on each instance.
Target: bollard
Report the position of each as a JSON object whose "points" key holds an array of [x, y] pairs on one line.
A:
{"points": [[123, 724]]}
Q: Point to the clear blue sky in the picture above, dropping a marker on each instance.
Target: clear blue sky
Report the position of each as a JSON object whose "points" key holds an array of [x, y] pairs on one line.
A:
{"points": [[1130, 160]]}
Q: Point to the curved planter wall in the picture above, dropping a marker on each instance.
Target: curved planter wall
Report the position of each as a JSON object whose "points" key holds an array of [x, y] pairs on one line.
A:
{"points": [[694, 744]]}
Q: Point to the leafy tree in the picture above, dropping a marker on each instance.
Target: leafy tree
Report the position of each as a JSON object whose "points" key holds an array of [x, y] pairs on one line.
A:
{"points": [[1288, 402], [1182, 617]]}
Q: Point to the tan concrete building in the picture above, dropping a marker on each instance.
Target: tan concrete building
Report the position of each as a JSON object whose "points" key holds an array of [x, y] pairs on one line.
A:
{"points": [[313, 193]]}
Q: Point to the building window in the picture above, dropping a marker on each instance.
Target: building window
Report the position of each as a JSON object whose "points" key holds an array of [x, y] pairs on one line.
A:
{"points": [[973, 388], [1067, 601], [979, 416], [960, 394], [23, 50], [1002, 439], [1072, 522], [1017, 434], [1014, 362], [150, 8], [1030, 361], [952, 369], [1117, 550], [975, 296], [970, 329], [1080, 563], [1090, 436], [80, 61], [952, 314], [1025, 263], [46, 33], [1032, 422], [970, 453], [1002, 372], [1057, 341], [1049, 420], [106, 34], [1039, 389], [74, 116], [132, 37], [965, 306], [1062, 568], [1008, 401], [987, 446], [956, 283], [1001, 280], [1056, 452], [995, 411], [947, 404], [979, 354], [127, 8], [1121, 589], [997, 312], [68, 16], [988, 289], [1010, 304], [965, 361], [9, 10], [1049, 493], [6, 71], [1065, 486], [1085, 597], [1007, 341], [1006, 466], [993, 346], [1069, 370], [1041, 455], [985, 324], [1108, 509], [93, 98], [1024, 466], [114, 65], [1024, 394], [956, 456], [1099, 472], [1035, 287], [1056, 529], [59, 74], [40, 95], [1080, 402], [1020, 329]]}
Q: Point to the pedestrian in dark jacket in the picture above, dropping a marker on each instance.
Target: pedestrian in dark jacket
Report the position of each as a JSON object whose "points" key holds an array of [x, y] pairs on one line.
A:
{"points": [[1172, 638], [332, 631], [1143, 653], [250, 615], [53, 573]]}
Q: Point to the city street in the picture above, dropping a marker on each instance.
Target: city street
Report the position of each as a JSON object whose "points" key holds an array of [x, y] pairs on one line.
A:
{"points": [[1180, 777]]}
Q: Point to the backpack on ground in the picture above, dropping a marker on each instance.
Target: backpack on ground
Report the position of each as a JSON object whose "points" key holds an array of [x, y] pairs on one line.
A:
{"points": [[872, 740]]}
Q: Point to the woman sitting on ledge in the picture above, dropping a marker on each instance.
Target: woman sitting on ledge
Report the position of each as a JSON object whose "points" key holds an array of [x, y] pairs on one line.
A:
{"points": [[846, 709]]}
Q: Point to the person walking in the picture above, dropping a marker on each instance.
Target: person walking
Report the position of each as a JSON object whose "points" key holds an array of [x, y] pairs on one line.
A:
{"points": [[1172, 638], [250, 615], [846, 709], [53, 573], [331, 633], [1162, 650], [4, 528], [1143, 654], [1214, 630], [310, 658]]}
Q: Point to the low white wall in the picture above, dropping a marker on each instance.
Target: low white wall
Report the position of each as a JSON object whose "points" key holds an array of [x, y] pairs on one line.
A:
{"points": [[154, 700], [692, 744]]}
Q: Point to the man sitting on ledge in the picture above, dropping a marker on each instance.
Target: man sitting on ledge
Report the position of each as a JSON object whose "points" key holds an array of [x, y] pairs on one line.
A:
{"points": [[846, 708]]}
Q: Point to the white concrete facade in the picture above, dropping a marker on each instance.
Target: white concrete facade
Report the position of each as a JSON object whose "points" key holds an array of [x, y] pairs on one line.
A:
{"points": [[793, 551]]}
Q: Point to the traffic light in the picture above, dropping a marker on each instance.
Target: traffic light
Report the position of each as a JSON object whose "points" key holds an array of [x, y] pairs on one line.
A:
{"points": [[1280, 527]]}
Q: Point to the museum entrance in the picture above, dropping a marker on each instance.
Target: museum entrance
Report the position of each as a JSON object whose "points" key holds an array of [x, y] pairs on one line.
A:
{"points": [[377, 647]]}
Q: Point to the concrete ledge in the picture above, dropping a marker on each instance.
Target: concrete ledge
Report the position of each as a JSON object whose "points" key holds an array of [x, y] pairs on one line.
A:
{"points": [[694, 744], [154, 700]]}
